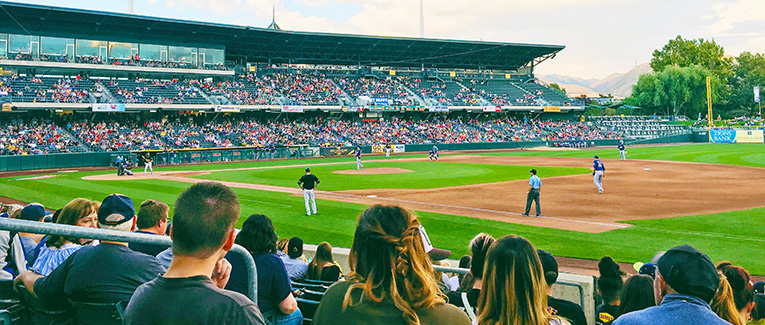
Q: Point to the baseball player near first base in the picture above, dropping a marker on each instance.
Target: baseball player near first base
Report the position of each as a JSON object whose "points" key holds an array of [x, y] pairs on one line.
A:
{"points": [[598, 171], [622, 151], [434, 153], [308, 183], [358, 159]]}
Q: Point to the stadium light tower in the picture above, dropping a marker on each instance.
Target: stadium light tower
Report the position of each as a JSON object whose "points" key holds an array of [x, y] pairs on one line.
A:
{"points": [[422, 21]]}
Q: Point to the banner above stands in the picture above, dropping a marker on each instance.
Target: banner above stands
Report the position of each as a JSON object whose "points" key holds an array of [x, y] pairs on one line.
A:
{"points": [[226, 109], [439, 109], [493, 109], [292, 109], [108, 108], [353, 109], [552, 109]]}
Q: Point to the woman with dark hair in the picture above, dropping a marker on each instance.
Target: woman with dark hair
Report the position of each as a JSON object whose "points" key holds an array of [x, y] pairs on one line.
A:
{"points": [[610, 289], [391, 280], [514, 289], [468, 299], [637, 294], [274, 289], [78, 212], [323, 267], [734, 300]]}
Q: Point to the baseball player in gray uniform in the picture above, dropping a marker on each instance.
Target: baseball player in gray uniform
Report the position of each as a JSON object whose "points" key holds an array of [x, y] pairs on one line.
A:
{"points": [[622, 151], [598, 171], [308, 183]]}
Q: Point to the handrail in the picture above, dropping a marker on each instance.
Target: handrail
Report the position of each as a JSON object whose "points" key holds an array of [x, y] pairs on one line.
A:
{"points": [[121, 236]]}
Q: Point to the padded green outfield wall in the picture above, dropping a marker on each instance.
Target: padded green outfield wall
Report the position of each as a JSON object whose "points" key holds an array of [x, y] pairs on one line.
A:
{"points": [[58, 160]]}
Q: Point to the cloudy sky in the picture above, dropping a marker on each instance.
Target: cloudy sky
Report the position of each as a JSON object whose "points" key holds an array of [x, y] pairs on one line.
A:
{"points": [[601, 36]]}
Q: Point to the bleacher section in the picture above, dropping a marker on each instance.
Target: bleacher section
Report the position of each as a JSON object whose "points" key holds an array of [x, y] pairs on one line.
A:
{"points": [[47, 89], [642, 127], [310, 89], [550, 96], [35, 137], [155, 92]]}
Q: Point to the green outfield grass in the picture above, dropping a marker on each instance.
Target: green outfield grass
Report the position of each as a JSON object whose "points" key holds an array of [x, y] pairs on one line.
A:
{"points": [[735, 236], [425, 174]]}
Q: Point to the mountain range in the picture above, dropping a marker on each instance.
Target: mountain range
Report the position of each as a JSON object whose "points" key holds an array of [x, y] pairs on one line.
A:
{"points": [[617, 84]]}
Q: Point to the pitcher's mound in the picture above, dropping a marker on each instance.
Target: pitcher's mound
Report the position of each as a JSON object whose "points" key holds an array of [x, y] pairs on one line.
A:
{"points": [[373, 171]]}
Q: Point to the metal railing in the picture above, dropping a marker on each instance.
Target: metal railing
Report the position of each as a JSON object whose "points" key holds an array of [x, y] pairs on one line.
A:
{"points": [[457, 270], [16, 225]]}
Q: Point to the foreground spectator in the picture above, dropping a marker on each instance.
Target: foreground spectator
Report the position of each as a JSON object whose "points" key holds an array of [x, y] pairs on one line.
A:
{"points": [[735, 297], [152, 219], [610, 289], [391, 280], [560, 307], [323, 267], [295, 266], [468, 299], [78, 212], [28, 241], [191, 290], [686, 281], [637, 294], [514, 286], [107, 273], [274, 290]]}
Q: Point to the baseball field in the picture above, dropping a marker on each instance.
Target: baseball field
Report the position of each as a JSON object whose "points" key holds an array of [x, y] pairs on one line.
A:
{"points": [[710, 196]]}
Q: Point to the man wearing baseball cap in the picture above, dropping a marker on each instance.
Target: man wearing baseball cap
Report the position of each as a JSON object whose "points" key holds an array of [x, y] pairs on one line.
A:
{"points": [[560, 307], [308, 183], [292, 263], [28, 241], [107, 273], [686, 281]]}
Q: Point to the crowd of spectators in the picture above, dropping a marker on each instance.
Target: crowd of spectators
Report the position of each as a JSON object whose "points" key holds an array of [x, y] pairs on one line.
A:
{"points": [[134, 60], [249, 90], [391, 279], [34, 137], [306, 89], [143, 91], [388, 88], [54, 90], [260, 133]]}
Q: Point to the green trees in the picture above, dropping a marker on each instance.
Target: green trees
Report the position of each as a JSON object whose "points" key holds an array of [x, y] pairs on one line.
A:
{"points": [[678, 85]]}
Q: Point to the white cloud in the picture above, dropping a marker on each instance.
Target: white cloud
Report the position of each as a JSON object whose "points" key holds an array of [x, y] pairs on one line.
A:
{"points": [[731, 14]]}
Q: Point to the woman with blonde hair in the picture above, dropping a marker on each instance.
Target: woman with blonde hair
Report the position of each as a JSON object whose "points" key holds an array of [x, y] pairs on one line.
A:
{"points": [[78, 212], [734, 300], [391, 280], [514, 288], [323, 267]]}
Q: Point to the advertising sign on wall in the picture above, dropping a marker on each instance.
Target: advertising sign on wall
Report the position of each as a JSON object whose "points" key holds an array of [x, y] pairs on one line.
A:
{"points": [[292, 109], [108, 107], [226, 109], [399, 148], [736, 136]]}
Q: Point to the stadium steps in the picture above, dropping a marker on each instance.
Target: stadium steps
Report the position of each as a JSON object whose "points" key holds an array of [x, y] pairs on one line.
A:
{"points": [[105, 93], [345, 99], [483, 101], [207, 97], [83, 147]]}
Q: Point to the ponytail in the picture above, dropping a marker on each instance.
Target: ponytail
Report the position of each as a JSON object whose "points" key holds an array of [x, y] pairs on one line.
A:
{"points": [[723, 303]]}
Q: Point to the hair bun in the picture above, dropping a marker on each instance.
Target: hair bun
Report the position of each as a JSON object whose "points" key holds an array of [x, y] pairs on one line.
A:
{"points": [[609, 268]]}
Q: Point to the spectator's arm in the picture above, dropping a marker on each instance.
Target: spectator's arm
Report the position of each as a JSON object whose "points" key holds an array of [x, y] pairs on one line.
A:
{"points": [[288, 305], [221, 273], [28, 278]]}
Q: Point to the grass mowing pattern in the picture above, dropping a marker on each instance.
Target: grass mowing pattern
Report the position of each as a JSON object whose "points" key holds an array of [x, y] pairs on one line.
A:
{"points": [[425, 174], [722, 235]]}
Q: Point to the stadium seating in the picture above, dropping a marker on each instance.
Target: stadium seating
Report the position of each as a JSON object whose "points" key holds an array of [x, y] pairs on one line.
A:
{"points": [[141, 91], [47, 89], [642, 127], [35, 137]]}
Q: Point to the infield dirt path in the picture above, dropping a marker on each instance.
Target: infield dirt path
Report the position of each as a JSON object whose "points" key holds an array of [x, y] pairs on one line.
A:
{"points": [[634, 189]]}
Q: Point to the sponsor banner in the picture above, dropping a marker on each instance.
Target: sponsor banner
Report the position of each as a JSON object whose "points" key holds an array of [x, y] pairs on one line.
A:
{"points": [[378, 148], [749, 136], [337, 151], [492, 108], [438, 108], [381, 101], [7, 107], [399, 148], [736, 136], [108, 107], [353, 109], [393, 72], [452, 74], [226, 109], [292, 109], [552, 109]]}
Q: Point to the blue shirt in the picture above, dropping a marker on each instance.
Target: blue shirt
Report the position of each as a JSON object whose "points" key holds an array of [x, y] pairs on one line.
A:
{"points": [[675, 309], [597, 165], [535, 182], [621, 146], [358, 153], [295, 267]]}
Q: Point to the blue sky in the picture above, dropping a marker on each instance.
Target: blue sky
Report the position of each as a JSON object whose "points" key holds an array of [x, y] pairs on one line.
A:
{"points": [[601, 36]]}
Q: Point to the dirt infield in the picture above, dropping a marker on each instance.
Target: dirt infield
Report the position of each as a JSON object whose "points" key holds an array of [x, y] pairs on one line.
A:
{"points": [[373, 171], [634, 189]]}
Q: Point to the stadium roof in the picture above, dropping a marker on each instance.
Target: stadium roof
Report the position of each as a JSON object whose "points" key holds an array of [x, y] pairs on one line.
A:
{"points": [[252, 44]]}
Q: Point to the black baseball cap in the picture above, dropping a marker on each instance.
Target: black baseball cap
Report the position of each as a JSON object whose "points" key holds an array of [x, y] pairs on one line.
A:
{"points": [[533, 171], [308, 169], [295, 247], [116, 204], [759, 287], [549, 265], [689, 271], [33, 212]]}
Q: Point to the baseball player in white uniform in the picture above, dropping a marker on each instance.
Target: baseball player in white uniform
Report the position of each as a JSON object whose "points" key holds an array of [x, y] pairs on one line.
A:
{"points": [[308, 183], [622, 151], [358, 159]]}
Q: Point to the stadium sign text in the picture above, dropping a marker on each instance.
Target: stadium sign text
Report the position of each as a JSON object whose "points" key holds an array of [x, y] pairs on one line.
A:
{"points": [[492, 108], [292, 109], [226, 109], [438, 109], [108, 107]]}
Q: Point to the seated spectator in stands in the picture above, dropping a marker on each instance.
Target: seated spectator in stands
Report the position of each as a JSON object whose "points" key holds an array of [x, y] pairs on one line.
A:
{"points": [[29, 241], [292, 263], [281, 247], [610, 289], [391, 279], [686, 281], [274, 289], [564, 308], [191, 291], [78, 212], [152, 219], [450, 280], [514, 286], [637, 294], [323, 267], [468, 300], [466, 280], [107, 273], [734, 300]]}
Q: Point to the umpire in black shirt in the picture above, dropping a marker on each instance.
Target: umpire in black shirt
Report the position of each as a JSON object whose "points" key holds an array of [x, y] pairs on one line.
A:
{"points": [[308, 183]]}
